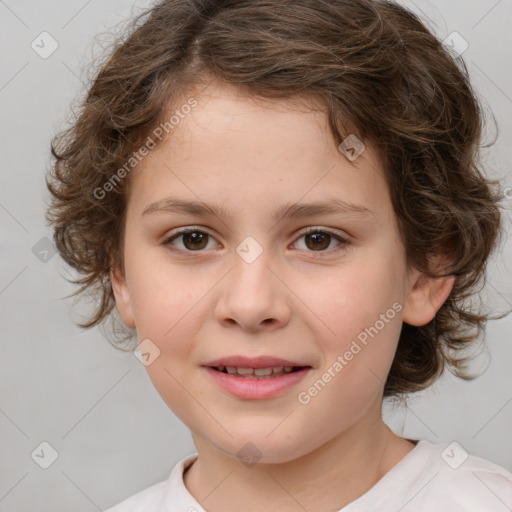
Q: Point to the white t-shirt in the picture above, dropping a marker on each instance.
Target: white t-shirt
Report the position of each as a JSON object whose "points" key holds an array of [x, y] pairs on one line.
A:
{"points": [[430, 478]]}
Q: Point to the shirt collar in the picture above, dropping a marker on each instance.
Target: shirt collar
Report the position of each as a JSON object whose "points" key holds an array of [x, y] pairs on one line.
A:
{"points": [[176, 497]]}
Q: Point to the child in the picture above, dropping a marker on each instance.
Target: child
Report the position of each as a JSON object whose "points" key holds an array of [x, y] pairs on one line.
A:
{"points": [[219, 143]]}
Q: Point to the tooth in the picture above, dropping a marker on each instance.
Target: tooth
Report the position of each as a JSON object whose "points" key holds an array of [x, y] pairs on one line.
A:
{"points": [[254, 373], [262, 371], [244, 371]]}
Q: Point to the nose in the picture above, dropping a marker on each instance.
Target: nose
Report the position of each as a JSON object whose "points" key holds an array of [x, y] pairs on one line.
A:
{"points": [[253, 296]]}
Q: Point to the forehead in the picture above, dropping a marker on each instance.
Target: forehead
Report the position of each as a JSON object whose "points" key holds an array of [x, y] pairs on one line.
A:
{"points": [[252, 151]]}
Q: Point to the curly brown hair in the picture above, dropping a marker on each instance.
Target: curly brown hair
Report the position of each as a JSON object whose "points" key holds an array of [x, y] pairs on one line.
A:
{"points": [[379, 72]]}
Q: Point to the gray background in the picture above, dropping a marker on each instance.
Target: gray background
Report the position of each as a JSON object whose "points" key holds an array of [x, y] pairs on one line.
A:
{"points": [[95, 405]]}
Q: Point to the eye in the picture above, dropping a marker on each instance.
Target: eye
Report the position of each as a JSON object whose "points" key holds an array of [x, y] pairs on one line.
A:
{"points": [[194, 239], [318, 240]]}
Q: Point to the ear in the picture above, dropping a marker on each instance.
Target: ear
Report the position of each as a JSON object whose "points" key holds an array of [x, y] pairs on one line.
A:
{"points": [[122, 296], [425, 298]]}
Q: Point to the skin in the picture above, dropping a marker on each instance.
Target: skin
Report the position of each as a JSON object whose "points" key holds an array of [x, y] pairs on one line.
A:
{"points": [[294, 301]]}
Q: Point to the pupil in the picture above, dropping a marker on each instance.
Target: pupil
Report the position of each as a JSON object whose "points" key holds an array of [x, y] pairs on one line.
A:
{"points": [[316, 237], [195, 238]]}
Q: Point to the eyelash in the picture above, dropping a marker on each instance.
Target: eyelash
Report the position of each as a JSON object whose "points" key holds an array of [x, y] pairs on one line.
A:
{"points": [[344, 243]]}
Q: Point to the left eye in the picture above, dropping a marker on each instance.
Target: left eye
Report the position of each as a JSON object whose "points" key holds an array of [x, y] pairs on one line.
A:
{"points": [[319, 241], [195, 240]]}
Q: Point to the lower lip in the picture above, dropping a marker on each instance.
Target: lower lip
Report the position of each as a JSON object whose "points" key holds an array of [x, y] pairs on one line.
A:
{"points": [[256, 389]]}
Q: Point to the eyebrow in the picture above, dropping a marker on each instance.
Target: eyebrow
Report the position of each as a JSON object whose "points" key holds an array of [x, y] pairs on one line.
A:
{"points": [[287, 210]]}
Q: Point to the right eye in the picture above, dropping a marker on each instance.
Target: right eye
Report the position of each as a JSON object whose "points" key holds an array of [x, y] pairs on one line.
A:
{"points": [[193, 239]]}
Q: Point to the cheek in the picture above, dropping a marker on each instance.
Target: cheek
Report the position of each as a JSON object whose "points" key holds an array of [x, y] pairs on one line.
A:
{"points": [[165, 296], [356, 358], [360, 311], [169, 303], [169, 310], [350, 300]]}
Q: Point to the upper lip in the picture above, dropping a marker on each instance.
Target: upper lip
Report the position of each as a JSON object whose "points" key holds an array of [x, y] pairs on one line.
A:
{"points": [[252, 362]]}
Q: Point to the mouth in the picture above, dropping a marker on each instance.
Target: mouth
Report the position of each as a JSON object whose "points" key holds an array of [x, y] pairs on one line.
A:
{"points": [[256, 378], [269, 372]]}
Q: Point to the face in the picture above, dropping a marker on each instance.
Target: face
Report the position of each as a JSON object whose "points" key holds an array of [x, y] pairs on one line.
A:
{"points": [[326, 290]]}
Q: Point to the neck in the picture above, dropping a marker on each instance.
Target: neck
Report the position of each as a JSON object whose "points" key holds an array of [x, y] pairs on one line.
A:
{"points": [[330, 477]]}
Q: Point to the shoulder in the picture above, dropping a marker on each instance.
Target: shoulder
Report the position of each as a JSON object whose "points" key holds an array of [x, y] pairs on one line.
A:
{"points": [[436, 477], [169, 495], [464, 482], [144, 501]]}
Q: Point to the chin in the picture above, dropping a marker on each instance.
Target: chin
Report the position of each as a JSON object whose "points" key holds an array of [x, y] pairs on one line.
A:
{"points": [[260, 449]]}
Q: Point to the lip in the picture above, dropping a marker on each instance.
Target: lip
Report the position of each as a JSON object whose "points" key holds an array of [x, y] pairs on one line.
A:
{"points": [[257, 389], [253, 362]]}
